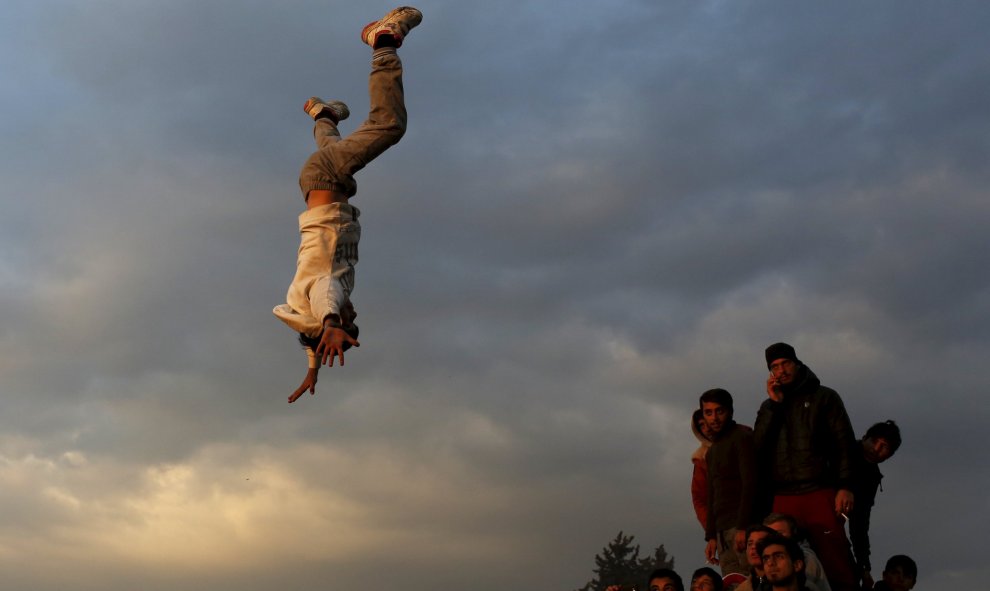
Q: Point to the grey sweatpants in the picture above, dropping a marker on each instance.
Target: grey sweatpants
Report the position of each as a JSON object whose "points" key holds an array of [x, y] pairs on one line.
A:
{"points": [[333, 164]]}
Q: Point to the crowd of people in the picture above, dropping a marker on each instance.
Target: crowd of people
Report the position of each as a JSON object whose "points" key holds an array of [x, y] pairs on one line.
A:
{"points": [[774, 499], [781, 565]]}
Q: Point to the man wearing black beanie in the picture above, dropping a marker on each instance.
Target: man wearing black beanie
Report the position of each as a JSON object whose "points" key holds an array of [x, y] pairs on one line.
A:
{"points": [[804, 444]]}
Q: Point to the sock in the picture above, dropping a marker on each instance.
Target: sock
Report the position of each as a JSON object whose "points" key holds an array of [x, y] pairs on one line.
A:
{"points": [[326, 114], [385, 40]]}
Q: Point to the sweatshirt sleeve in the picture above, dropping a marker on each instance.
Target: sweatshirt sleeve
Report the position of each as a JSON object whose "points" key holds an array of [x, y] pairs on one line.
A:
{"points": [[710, 530], [747, 476], [859, 523], [326, 297]]}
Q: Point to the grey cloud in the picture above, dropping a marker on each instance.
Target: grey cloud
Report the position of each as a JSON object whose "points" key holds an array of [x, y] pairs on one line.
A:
{"points": [[587, 224]]}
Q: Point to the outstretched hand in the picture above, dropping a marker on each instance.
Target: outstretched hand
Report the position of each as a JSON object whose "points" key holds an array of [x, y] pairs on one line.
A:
{"points": [[334, 342], [308, 384]]}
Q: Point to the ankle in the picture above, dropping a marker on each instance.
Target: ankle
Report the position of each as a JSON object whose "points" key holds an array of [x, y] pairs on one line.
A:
{"points": [[385, 40], [326, 114]]}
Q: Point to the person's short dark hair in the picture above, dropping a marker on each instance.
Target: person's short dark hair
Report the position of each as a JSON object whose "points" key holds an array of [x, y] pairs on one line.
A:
{"points": [[666, 573], [308, 342], [887, 430], [718, 396], [312, 343], [760, 527], [792, 524], [792, 548], [716, 578], [908, 566]]}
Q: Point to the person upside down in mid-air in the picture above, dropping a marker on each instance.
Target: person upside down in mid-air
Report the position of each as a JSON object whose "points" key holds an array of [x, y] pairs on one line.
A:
{"points": [[318, 304]]}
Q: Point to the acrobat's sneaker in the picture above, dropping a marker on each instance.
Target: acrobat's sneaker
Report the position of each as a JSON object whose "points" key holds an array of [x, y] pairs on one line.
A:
{"points": [[315, 105], [397, 23]]}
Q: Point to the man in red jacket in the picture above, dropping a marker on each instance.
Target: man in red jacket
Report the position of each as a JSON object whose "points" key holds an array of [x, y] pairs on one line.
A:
{"points": [[699, 477]]}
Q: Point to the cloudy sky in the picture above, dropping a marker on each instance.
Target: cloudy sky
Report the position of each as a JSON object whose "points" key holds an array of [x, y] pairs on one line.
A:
{"points": [[600, 210]]}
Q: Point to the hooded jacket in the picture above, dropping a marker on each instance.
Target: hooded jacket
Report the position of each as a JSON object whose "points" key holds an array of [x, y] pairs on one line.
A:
{"points": [[699, 479], [805, 443]]}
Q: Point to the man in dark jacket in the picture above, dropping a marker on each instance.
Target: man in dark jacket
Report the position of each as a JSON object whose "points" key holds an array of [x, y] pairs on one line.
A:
{"points": [[877, 446], [804, 446], [731, 483]]}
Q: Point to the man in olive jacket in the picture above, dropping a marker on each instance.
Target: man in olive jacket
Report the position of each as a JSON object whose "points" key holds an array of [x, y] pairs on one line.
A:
{"points": [[804, 446], [731, 484]]}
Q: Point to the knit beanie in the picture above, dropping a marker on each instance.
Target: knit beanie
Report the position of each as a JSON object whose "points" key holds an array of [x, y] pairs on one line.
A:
{"points": [[781, 351]]}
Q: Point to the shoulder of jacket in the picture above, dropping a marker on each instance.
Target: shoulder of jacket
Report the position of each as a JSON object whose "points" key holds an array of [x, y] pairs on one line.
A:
{"points": [[825, 391]]}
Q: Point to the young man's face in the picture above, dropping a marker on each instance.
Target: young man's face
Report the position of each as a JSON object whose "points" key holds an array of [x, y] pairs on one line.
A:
{"points": [[897, 580], [703, 428], [663, 584], [716, 416], [703, 583], [876, 450], [752, 556], [783, 370], [778, 566]]}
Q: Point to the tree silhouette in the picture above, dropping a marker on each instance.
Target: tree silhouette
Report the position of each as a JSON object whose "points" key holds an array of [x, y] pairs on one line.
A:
{"points": [[619, 563]]}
